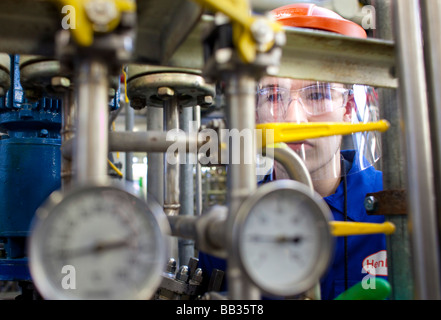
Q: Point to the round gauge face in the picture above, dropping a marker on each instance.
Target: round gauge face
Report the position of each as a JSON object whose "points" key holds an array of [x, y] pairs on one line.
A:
{"points": [[284, 241], [97, 243]]}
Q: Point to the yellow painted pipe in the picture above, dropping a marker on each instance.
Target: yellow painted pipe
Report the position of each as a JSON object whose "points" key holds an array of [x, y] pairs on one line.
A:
{"points": [[293, 132], [343, 228]]}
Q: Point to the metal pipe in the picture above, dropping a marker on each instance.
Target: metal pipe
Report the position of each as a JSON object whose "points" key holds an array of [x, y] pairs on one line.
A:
{"points": [[211, 232], [67, 133], [155, 163], [186, 186], [421, 199], [150, 141], [431, 13], [130, 123], [399, 264], [183, 226], [91, 147], [241, 176], [171, 179], [198, 175], [294, 165]]}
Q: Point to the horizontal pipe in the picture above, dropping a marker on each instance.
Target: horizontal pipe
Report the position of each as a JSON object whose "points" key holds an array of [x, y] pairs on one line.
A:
{"points": [[207, 229], [149, 141], [183, 226]]}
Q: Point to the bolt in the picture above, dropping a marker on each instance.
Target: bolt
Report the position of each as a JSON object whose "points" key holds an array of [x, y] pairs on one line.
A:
{"points": [[137, 103], [101, 13], [171, 266], [280, 39], [60, 82], [262, 31], [197, 276], [44, 133], [370, 204], [223, 55], [165, 92], [182, 274], [205, 101]]}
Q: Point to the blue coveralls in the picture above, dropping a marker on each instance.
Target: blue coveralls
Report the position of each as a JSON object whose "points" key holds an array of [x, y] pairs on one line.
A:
{"points": [[367, 249]]}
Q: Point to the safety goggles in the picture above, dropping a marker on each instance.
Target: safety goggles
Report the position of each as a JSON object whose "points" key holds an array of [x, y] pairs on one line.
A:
{"points": [[274, 101]]}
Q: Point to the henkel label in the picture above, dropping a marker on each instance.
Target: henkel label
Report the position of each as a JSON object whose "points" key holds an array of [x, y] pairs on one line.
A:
{"points": [[376, 264]]}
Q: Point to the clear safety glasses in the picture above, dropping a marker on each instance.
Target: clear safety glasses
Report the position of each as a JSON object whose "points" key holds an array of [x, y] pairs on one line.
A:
{"points": [[286, 100], [275, 102]]}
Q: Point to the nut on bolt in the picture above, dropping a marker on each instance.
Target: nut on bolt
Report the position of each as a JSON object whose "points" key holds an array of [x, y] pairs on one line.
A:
{"points": [[138, 103], [371, 204], [165, 92], [262, 31], [60, 82], [205, 101], [101, 13], [197, 276], [182, 274], [171, 266]]}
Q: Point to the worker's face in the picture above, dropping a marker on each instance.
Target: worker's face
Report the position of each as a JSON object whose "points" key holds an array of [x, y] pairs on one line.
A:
{"points": [[298, 101]]}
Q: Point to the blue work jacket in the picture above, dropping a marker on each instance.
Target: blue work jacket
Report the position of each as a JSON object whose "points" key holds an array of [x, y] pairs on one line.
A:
{"points": [[366, 254]]}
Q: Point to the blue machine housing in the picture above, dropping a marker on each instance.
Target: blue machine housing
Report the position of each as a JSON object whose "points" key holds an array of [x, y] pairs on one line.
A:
{"points": [[30, 165]]}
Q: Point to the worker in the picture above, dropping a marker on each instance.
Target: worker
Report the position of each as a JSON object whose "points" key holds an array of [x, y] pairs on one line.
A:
{"points": [[341, 177]]}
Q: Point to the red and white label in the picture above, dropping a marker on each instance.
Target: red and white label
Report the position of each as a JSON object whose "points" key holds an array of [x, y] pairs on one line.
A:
{"points": [[376, 264]]}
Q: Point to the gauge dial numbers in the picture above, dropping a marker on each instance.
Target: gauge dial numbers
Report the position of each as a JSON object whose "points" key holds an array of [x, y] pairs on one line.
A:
{"points": [[98, 242], [283, 237]]}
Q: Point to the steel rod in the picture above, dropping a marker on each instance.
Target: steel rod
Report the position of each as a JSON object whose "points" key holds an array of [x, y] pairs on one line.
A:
{"points": [[91, 148], [421, 199]]}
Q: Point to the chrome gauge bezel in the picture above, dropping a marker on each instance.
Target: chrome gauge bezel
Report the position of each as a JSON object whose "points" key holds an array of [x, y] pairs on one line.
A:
{"points": [[151, 215], [321, 214]]}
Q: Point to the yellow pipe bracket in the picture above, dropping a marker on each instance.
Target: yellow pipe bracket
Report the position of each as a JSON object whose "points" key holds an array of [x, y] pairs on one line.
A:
{"points": [[242, 21], [85, 27]]}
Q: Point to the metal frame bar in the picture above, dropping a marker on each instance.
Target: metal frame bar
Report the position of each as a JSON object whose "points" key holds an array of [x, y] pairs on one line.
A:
{"points": [[421, 198]]}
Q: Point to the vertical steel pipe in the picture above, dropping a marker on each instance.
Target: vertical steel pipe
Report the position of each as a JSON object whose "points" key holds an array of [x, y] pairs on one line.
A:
{"points": [[198, 174], [421, 198], [129, 124], [155, 163], [91, 147], [431, 15], [241, 177], [171, 179], [67, 132], [186, 183], [394, 172]]}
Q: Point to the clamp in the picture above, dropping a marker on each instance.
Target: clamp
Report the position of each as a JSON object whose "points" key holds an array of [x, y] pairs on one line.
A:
{"points": [[96, 16], [251, 34]]}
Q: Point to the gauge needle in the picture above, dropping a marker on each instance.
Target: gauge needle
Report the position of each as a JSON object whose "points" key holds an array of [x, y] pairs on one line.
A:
{"points": [[96, 248], [276, 239]]}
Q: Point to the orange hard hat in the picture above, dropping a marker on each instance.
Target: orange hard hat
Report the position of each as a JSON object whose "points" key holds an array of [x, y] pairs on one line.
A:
{"points": [[308, 15]]}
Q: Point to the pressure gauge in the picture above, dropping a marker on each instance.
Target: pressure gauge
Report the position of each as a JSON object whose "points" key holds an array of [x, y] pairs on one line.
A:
{"points": [[98, 242], [284, 242]]}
